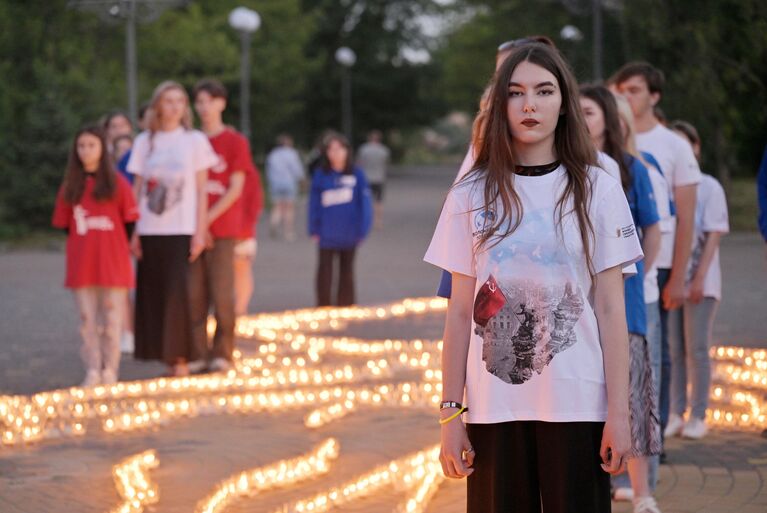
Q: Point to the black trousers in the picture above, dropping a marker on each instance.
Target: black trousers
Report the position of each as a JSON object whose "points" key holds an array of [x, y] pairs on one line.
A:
{"points": [[163, 328], [326, 260], [534, 467]]}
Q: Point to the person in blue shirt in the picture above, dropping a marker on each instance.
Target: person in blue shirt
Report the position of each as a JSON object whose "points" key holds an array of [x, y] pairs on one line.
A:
{"points": [[601, 113], [340, 216], [762, 194]]}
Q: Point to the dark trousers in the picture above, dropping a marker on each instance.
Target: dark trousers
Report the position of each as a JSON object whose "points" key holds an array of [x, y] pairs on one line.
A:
{"points": [[211, 283], [326, 261], [664, 404], [534, 467], [162, 327]]}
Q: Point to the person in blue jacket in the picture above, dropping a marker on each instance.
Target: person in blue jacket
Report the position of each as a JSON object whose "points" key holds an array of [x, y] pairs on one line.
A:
{"points": [[762, 193], [340, 216]]}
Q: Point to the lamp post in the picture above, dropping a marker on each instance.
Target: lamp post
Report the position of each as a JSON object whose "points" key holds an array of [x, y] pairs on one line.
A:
{"points": [[246, 22], [346, 57]]}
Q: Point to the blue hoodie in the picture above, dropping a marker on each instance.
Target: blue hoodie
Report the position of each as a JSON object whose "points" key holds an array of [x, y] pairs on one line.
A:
{"points": [[762, 195], [340, 208]]}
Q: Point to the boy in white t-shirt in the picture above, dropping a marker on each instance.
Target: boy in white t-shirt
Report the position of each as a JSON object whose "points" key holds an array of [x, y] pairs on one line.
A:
{"points": [[642, 85], [690, 328]]}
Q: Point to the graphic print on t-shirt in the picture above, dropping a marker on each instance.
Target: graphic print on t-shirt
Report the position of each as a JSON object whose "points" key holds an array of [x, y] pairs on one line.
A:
{"points": [[525, 323], [165, 185]]}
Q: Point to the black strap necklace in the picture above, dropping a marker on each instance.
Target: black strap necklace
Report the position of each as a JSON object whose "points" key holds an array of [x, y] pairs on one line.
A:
{"points": [[536, 170]]}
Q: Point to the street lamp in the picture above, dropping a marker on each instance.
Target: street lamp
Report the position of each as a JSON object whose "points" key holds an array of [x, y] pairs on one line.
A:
{"points": [[246, 22], [346, 57]]}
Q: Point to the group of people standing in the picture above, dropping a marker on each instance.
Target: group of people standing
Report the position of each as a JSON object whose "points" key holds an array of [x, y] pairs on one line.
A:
{"points": [[188, 220], [569, 199]]}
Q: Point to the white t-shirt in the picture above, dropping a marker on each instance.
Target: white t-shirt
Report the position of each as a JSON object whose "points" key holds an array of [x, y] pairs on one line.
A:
{"points": [[710, 216], [666, 224], [168, 197], [608, 163], [679, 166], [533, 299]]}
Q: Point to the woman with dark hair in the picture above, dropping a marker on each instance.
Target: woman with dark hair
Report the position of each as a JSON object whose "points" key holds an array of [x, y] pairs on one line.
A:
{"points": [[535, 352], [96, 207], [170, 161], [601, 113], [340, 215]]}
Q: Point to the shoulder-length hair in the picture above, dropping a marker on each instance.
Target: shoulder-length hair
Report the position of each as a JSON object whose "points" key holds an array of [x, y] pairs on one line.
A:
{"points": [[73, 185], [626, 115], [153, 121], [496, 161], [343, 141], [613, 137]]}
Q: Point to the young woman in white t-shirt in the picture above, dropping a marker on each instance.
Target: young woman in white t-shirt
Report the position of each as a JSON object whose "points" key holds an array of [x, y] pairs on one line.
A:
{"points": [[536, 343], [690, 328], [170, 161]]}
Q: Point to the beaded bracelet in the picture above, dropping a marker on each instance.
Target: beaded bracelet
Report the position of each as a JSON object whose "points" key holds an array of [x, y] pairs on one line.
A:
{"points": [[453, 416]]}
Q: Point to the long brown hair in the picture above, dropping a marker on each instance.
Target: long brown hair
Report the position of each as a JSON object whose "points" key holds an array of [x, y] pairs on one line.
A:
{"points": [[341, 139], [495, 159], [613, 137], [73, 185]]}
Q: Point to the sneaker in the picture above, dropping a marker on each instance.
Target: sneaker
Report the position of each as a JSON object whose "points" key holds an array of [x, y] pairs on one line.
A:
{"points": [[695, 429], [127, 343], [197, 366], [108, 377], [674, 426], [623, 494], [646, 505], [220, 365], [92, 378]]}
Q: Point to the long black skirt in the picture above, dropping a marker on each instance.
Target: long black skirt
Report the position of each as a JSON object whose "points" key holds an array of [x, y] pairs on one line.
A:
{"points": [[163, 327]]}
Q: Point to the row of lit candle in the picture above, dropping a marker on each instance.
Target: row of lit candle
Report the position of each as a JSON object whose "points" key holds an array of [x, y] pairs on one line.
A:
{"points": [[132, 481]]}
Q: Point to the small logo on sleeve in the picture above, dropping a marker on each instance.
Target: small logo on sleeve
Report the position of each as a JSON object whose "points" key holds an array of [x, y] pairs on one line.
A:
{"points": [[626, 232]]}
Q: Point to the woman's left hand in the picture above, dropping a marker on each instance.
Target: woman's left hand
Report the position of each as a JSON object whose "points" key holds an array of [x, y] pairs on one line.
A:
{"points": [[196, 246], [616, 444]]}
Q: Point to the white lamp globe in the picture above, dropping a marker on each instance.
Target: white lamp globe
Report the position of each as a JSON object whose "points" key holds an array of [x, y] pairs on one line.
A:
{"points": [[244, 19], [346, 56]]}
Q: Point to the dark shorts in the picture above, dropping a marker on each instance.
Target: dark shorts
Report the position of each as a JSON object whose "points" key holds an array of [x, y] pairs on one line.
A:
{"points": [[377, 189], [533, 466]]}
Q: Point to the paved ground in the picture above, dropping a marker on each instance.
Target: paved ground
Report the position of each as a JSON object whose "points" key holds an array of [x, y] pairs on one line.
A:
{"points": [[726, 472]]}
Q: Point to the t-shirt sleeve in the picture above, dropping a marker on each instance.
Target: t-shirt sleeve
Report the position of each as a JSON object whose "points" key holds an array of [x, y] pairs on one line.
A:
{"points": [[128, 208], [615, 238], [62, 211], [204, 155], [715, 218], [452, 246], [241, 161], [138, 155], [686, 170], [647, 211]]}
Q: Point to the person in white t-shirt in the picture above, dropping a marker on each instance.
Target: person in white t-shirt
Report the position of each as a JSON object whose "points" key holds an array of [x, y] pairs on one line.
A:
{"points": [[535, 351], [642, 85], [691, 327], [170, 161]]}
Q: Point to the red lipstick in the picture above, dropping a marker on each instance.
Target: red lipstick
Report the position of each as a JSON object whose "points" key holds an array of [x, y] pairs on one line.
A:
{"points": [[530, 122]]}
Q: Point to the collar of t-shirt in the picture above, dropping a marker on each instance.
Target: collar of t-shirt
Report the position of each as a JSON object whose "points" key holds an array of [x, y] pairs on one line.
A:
{"points": [[537, 170]]}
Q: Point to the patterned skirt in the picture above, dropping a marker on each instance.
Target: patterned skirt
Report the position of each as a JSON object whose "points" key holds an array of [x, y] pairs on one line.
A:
{"points": [[643, 400]]}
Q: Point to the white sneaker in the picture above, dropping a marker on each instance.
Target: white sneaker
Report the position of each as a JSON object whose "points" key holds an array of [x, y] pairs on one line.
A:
{"points": [[220, 365], [674, 426], [646, 505], [695, 429], [92, 378], [127, 343], [108, 377], [197, 366], [623, 494]]}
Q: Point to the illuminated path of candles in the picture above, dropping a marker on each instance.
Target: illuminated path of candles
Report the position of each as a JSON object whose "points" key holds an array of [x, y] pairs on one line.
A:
{"points": [[303, 379]]}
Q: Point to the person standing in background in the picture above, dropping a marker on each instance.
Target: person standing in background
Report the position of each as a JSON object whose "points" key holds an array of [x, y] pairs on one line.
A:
{"points": [[642, 85], [284, 171], [211, 277], [170, 161], [374, 157], [691, 327]]}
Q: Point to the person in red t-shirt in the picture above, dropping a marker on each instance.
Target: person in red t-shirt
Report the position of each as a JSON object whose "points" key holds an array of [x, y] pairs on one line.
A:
{"points": [[212, 276], [97, 208], [247, 244]]}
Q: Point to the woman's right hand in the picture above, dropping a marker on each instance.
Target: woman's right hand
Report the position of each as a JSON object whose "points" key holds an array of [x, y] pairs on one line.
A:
{"points": [[135, 246], [456, 454]]}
